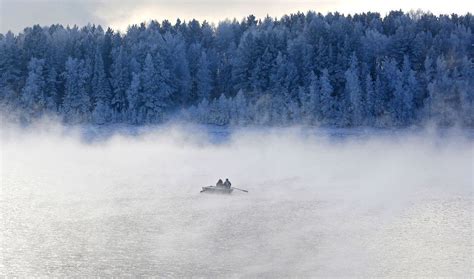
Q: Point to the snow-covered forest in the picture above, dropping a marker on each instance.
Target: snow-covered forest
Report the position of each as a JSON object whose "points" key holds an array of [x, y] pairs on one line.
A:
{"points": [[331, 70]]}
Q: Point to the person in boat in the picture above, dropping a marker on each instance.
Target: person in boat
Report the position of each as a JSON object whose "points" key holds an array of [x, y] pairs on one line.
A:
{"points": [[227, 183], [219, 183]]}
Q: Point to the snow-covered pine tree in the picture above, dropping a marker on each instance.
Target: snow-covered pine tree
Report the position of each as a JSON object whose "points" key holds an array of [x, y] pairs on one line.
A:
{"points": [[239, 112], [411, 91], [77, 105], [203, 78], [327, 100], [353, 93], [465, 84], [134, 100], [119, 80], [52, 91], [33, 94], [101, 92], [151, 103], [370, 101]]}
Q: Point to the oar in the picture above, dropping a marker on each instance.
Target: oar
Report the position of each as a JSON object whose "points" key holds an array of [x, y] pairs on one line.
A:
{"points": [[240, 189]]}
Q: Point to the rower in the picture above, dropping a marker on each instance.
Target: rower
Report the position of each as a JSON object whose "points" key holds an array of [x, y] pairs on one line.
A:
{"points": [[227, 183]]}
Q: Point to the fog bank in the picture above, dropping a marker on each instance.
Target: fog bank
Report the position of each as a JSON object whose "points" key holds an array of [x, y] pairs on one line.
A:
{"points": [[369, 204]]}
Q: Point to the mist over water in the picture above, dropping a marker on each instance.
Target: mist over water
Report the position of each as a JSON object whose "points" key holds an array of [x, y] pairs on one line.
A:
{"points": [[365, 204]]}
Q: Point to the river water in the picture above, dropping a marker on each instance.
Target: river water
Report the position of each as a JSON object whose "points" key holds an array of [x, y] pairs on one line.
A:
{"points": [[129, 207]]}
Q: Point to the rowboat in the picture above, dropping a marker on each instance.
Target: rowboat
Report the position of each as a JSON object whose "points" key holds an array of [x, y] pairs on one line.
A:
{"points": [[217, 189]]}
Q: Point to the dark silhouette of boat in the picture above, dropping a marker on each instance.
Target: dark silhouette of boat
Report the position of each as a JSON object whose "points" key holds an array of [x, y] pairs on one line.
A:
{"points": [[217, 189]]}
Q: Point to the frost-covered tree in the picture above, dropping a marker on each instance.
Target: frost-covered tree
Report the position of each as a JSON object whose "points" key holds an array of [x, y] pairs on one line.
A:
{"points": [[243, 60], [465, 84], [219, 111], [327, 100], [53, 97], [203, 78], [370, 101], [77, 105], [450, 99], [310, 100], [353, 92], [314, 99], [100, 91], [119, 81], [175, 68], [33, 93], [152, 108], [202, 112], [379, 109], [365, 69], [134, 100], [261, 73], [239, 112], [410, 92], [10, 70], [394, 93], [156, 91]]}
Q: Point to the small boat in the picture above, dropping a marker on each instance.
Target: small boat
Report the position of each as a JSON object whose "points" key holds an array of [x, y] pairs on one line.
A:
{"points": [[220, 189], [217, 190]]}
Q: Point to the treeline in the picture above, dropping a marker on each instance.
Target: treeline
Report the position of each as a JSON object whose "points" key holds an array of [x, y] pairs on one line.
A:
{"points": [[335, 70]]}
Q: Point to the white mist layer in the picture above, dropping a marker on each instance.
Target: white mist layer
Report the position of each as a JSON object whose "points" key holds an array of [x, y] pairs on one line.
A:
{"points": [[130, 205]]}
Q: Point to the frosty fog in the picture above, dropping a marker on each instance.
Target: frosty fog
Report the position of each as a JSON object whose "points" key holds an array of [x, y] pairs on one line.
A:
{"points": [[386, 204]]}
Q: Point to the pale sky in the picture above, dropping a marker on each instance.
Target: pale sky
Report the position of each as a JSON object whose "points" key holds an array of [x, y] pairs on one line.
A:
{"points": [[18, 14]]}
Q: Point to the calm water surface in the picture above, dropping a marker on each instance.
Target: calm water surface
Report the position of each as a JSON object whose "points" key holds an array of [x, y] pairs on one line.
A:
{"points": [[156, 231]]}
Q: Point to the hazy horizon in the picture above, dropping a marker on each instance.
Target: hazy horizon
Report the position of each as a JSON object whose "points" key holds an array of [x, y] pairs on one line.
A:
{"points": [[17, 15]]}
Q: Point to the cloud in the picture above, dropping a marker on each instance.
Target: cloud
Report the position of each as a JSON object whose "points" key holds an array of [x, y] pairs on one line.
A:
{"points": [[17, 15]]}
